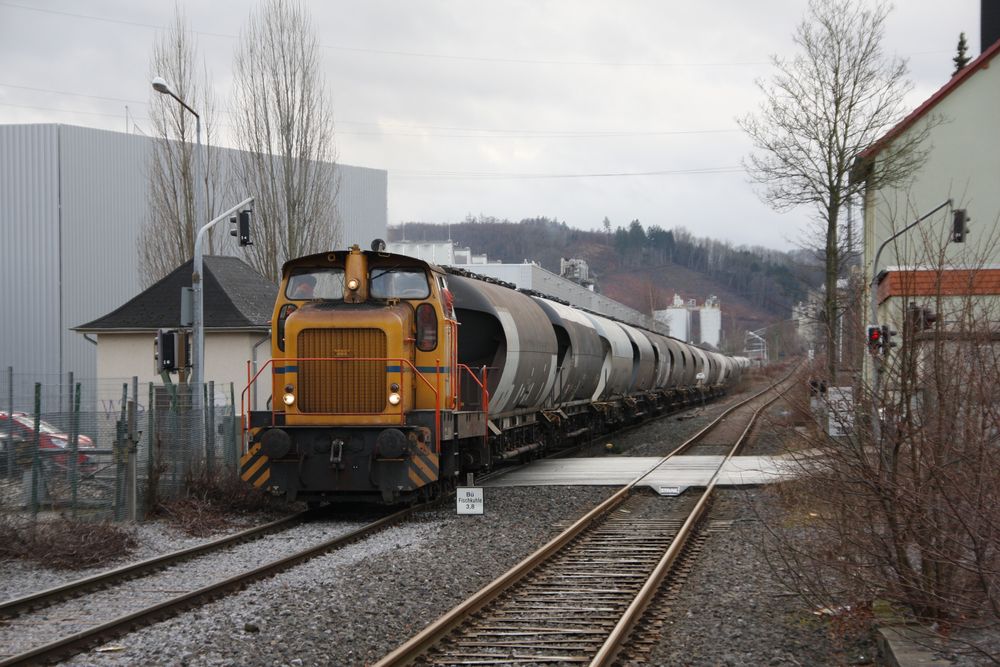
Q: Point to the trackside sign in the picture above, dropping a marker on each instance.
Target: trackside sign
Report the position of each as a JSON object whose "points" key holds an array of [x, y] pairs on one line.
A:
{"points": [[469, 499]]}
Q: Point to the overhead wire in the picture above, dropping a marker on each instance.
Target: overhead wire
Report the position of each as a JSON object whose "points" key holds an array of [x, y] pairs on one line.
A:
{"points": [[404, 173], [410, 54], [419, 54], [419, 131]]}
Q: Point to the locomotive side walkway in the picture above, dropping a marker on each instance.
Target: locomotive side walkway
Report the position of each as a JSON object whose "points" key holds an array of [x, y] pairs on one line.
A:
{"points": [[672, 477]]}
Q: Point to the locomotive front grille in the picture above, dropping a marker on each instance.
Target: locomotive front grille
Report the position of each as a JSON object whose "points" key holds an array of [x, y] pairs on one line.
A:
{"points": [[342, 385]]}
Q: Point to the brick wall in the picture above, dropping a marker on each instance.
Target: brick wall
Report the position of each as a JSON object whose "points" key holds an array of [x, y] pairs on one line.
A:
{"points": [[947, 282]]}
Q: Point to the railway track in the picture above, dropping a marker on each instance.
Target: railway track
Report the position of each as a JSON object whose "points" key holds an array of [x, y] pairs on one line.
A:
{"points": [[576, 599], [16, 606], [23, 619], [40, 608]]}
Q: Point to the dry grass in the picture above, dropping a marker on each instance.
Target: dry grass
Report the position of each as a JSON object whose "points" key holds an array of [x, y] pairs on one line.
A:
{"points": [[213, 504], [63, 543]]}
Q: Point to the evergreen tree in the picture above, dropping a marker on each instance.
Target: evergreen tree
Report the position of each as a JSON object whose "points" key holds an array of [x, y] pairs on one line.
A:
{"points": [[960, 59], [621, 241], [636, 236]]}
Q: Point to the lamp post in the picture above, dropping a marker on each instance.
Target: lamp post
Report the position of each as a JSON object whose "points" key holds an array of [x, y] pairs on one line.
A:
{"points": [[873, 305], [198, 326], [197, 329], [875, 272]]}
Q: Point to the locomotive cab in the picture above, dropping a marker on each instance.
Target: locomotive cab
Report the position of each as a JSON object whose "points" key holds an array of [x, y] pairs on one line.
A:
{"points": [[361, 371]]}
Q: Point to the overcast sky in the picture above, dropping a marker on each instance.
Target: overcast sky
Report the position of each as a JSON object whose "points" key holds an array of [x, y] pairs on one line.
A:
{"points": [[572, 109]]}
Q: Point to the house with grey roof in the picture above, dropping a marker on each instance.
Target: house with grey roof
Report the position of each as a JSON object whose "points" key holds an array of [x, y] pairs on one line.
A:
{"points": [[238, 305]]}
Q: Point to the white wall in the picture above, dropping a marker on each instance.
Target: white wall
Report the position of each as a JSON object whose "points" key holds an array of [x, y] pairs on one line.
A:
{"points": [[126, 355], [711, 326], [963, 163]]}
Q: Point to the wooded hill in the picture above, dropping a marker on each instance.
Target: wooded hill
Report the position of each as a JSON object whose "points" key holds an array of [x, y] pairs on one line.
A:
{"points": [[643, 268]]}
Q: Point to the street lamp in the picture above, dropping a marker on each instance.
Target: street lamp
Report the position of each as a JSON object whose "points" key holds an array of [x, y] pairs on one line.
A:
{"points": [[198, 326], [877, 361], [873, 293]]}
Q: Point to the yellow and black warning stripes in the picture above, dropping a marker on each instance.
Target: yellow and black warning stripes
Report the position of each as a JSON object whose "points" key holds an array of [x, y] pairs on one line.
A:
{"points": [[423, 468], [254, 466]]}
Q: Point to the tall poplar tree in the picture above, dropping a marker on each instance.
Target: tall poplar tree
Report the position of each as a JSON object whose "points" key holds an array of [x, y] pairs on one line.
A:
{"points": [[283, 119]]}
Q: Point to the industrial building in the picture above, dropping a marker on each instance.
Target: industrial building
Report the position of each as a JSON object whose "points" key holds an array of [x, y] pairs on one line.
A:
{"points": [[73, 201], [527, 276], [687, 321]]}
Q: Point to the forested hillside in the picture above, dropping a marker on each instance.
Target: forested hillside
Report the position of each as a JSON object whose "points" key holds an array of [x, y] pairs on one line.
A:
{"points": [[641, 267]]}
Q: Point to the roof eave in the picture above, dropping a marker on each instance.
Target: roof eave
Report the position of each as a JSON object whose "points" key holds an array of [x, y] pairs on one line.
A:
{"points": [[123, 330], [982, 62]]}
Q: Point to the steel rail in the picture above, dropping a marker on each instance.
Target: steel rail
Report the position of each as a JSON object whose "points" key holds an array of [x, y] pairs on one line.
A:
{"points": [[409, 651], [609, 650], [15, 606], [72, 643]]}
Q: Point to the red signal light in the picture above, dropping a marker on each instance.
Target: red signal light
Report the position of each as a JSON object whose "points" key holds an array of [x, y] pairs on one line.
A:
{"points": [[874, 339]]}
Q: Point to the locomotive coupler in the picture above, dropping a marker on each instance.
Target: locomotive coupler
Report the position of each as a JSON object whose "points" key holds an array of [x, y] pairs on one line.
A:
{"points": [[337, 453]]}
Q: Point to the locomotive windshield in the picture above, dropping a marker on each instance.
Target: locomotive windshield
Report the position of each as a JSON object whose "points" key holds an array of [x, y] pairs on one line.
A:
{"points": [[398, 283], [325, 284]]}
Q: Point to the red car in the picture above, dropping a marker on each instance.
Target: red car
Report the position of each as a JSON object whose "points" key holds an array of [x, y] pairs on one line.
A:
{"points": [[49, 438]]}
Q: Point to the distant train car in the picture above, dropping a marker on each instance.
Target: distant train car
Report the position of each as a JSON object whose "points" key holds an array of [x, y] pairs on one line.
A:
{"points": [[391, 377]]}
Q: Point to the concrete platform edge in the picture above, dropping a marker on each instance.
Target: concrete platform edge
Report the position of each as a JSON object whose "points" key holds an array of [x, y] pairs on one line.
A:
{"points": [[898, 648]]}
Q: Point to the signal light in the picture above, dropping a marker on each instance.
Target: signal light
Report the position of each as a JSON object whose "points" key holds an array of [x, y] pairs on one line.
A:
{"points": [[919, 318], [874, 338], [928, 318], [887, 335], [959, 225], [241, 227], [171, 350], [165, 351]]}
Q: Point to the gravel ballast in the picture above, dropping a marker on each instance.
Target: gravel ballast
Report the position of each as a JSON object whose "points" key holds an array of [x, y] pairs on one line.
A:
{"points": [[355, 605]]}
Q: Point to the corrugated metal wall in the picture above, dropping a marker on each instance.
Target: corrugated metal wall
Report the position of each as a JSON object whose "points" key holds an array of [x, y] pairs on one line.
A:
{"points": [[362, 204], [29, 248], [104, 200], [62, 266]]}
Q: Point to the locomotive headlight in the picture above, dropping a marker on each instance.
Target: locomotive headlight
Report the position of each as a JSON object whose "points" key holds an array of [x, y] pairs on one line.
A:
{"points": [[288, 398], [394, 398], [353, 284]]}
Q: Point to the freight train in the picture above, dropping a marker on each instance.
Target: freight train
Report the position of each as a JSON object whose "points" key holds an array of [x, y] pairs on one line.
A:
{"points": [[391, 378]]}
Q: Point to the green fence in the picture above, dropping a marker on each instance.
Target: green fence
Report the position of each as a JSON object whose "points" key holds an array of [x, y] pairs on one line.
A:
{"points": [[109, 448]]}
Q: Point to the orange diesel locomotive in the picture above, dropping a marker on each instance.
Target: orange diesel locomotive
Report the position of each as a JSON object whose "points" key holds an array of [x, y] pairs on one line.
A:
{"points": [[391, 377]]}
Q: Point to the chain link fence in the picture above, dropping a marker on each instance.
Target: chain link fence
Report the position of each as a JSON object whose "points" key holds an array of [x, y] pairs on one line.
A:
{"points": [[109, 449]]}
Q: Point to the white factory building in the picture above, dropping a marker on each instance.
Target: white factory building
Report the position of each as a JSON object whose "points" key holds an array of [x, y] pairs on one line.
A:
{"points": [[686, 320], [73, 202], [528, 276]]}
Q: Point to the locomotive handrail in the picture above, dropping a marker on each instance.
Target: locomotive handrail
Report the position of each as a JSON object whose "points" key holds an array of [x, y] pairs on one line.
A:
{"points": [[401, 361]]}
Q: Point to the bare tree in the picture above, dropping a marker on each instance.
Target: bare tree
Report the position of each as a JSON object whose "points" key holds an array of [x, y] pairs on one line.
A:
{"points": [[907, 515], [167, 239], [284, 125], [835, 98]]}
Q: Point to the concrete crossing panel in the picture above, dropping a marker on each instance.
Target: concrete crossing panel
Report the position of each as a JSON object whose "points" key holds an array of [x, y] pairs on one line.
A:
{"points": [[679, 471]]}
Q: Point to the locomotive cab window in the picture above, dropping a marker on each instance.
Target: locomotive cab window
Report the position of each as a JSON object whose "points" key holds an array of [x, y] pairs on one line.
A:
{"points": [[325, 284], [398, 284]]}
